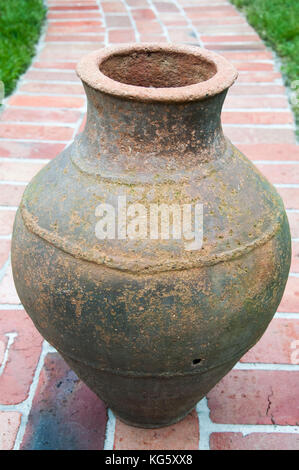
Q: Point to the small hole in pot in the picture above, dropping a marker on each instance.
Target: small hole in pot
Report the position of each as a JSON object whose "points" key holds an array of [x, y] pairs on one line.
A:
{"points": [[195, 362]]}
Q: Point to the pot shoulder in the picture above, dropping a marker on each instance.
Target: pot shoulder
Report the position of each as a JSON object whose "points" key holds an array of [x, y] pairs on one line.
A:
{"points": [[240, 210]]}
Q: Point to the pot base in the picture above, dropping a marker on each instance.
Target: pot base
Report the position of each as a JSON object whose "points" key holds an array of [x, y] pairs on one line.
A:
{"points": [[149, 402]]}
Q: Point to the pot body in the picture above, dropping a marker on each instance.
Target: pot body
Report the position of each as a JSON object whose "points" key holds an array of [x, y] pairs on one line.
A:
{"points": [[147, 324]]}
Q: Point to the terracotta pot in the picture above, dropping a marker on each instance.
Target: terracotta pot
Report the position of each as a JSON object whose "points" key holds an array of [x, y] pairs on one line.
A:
{"points": [[151, 325]]}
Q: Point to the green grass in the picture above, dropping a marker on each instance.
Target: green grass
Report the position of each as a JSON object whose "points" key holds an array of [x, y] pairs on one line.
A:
{"points": [[277, 22], [20, 27]]}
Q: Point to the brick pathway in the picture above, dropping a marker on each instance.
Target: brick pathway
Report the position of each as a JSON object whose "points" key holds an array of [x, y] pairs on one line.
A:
{"points": [[42, 403]]}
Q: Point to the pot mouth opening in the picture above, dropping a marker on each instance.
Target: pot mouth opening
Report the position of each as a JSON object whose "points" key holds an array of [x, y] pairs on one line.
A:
{"points": [[157, 69], [157, 72]]}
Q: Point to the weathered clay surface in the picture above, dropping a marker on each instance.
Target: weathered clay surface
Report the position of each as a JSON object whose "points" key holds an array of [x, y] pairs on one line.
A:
{"points": [[149, 326]]}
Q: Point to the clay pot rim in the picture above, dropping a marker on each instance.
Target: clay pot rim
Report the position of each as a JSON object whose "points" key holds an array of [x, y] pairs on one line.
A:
{"points": [[89, 72]]}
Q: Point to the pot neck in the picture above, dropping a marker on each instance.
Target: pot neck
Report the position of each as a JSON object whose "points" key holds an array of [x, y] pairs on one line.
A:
{"points": [[128, 130]]}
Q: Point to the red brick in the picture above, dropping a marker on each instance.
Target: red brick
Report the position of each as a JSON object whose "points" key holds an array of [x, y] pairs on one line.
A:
{"points": [[168, 17], [256, 397], [254, 441], [270, 151], [66, 76], [9, 424], [275, 346], [40, 115], [149, 27], [252, 56], [166, 7], [15, 171], [258, 77], [256, 89], [253, 66], [217, 20], [262, 135], [246, 46], [55, 65], [113, 7], [4, 253], [143, 14], [43, 101], [69, 52], [75, 38], [137, 3], [30, 150], [290, 197], [121, 35], [225, 29], [280, 173], [211, 12], [65, 414], [52, 15], [177, 21], [290, 300], [257, 117], [64, 25], [231, 38], [23, 356], [74, 7], [30, 131], [247, 101], [118, 21], [181, 436], [11, 194], [7, 218], [152, 38]]}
